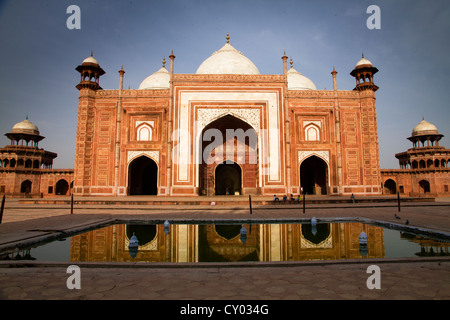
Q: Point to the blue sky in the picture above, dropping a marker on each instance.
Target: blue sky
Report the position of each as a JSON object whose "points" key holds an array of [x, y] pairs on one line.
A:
{"points": [[39, 54]]}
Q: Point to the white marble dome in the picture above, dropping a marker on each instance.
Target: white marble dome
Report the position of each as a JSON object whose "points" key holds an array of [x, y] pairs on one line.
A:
{"points": [[227, 60], [364, 61], [297, 81], [158, 80], [90, 59], [424, 128], [25, 127]]}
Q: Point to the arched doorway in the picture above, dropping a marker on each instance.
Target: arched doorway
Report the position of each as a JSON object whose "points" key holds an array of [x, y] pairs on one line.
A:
{"points": [[227, 178], [143, 176], [424, 186], [314, 176], [25, 187], [232, 139], [390, 187], [61, 187]]}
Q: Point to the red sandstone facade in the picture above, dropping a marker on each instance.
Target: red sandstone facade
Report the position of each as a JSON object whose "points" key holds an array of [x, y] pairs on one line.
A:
{"points": [[424, 169], [225, 130], [26, 170], [154, 140]]}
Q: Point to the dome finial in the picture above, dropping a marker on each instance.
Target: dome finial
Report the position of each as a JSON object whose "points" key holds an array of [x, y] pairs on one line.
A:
{"points": [[92, 53], [292, 63], [228, 37], [362, 55], [164, 62]]}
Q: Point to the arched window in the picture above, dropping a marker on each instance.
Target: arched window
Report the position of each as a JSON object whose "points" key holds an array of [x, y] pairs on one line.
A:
{"points": [[422, 164], [312, 133], [144, 132]]}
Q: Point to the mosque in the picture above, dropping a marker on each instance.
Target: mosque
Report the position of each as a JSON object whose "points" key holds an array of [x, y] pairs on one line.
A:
{"points": [[226, 130]]}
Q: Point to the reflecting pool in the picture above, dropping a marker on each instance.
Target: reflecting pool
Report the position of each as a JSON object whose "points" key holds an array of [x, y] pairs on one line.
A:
{"points": [[235, 243]]}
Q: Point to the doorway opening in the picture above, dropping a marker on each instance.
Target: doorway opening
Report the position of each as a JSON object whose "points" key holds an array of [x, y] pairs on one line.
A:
{"points": [[390, 187], [228, 178], [143, 176], [314, 176]]}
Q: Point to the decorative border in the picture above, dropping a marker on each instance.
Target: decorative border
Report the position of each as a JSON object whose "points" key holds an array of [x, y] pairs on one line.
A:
{"points": [[154, 155], [251, 116], [323, 154]]}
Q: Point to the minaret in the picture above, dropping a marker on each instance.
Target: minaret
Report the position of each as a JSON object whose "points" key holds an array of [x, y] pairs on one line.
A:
{"points": [[334, 73], [90, 72], [363, 73]]}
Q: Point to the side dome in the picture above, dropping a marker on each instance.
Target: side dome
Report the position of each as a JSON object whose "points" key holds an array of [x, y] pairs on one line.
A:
{"points": [[297, 81], [158, 80], [227, 60], [364, 62], [90, 59], [424, 128], [25, 127]]}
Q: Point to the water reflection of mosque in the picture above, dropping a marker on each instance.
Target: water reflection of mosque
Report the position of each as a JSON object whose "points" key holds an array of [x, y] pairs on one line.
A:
{"points": [[223, 243]]}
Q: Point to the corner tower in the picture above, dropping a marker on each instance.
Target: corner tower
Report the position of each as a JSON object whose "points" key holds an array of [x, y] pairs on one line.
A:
{"points": [[363, 73], [90, 72]]}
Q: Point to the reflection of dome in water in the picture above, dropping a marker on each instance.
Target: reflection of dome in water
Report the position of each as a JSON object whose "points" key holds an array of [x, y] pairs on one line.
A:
{"points": [[323, 232], [144, 233]]}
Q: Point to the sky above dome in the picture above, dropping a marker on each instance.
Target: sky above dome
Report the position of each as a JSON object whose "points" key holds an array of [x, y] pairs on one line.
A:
{"points": [[39, 55]]}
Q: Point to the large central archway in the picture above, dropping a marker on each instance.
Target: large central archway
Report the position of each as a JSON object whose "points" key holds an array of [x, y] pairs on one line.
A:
{"points": [[228, 178], [234, 140], [314, 176], [143, 177]]}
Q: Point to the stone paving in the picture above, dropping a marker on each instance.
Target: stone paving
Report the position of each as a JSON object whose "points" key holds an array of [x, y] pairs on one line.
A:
{"points": [[401, 279]]}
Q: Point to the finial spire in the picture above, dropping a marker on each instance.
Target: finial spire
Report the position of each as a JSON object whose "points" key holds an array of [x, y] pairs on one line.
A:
{"points": [[228, 37], [164, 62], [292, 63], [362, 55], [92, 53]]}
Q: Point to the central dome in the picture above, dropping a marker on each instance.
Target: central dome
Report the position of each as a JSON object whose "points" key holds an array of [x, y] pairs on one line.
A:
{"points": [[227, 60]]}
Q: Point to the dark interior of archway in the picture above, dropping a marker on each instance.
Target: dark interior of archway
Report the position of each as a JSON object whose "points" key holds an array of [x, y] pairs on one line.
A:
{"points": [[313, 174], [229, 122], [227, 178], [143, 177], [228, 231], [25, 187], [390, 186], [318, 235], [61, 187], [144, 233]]}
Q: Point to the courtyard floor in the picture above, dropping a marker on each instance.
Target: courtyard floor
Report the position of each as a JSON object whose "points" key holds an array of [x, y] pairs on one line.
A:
{"points": [[401, 279]]}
